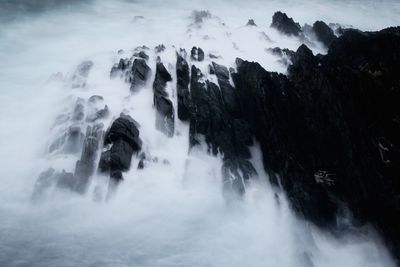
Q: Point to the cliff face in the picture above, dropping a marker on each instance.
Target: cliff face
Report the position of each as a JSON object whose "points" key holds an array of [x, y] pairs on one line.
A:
{"points": [[329, 131]]}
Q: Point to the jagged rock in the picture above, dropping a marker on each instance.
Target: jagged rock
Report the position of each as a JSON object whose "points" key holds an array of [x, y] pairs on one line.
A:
{"points": [[228, 93], [96, 110], [142, 55], [199, 16], [81, 74], [329, 116], [197, 54], [235, 173], [284, 24], [119, 68], [85, 167], [324, 33], [123, 136], [159, 48], [182, 87], [251, 23], [140, 72], [165, 110]]}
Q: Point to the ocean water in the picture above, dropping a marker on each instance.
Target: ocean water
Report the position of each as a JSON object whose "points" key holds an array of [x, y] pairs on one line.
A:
{"points": [[172, 213]]}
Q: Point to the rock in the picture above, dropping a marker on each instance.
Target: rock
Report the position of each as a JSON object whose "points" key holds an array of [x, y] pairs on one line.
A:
{"points": [[251, 23], [164, 107], [85, 167], [197, 54], [140, 72], [324, 33], [142, 55], [160, 48], [321, 129], [284, 24], [81, 74], [228, 93], [123, 136], [182, 87], [199, 16]]}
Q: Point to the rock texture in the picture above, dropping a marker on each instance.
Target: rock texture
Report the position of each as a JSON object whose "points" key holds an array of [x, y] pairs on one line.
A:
{"points": [[164, 107], [329, 131], [123, 137], [284, 24], [324, 33]]}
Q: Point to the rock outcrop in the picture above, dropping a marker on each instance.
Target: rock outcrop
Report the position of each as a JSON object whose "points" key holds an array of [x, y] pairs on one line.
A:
{"points": [[285, 25], [329, 130], [165, 119], [123, 141]]}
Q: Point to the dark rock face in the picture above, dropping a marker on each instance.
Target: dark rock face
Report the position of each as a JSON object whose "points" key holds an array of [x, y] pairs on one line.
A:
{"points": [[182, 87], [324, 33], [85, 167], [135, 71], [165, 110], [284, 24], [140, 72], [123, 136], [251, 23], [197, 54], [329, 131], [215, 118]]}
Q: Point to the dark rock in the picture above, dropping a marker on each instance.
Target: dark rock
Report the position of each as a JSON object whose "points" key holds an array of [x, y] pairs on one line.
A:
{"points": [[85, 167], [329, 130], [142, 55], [200, 54], [228, 93], [197, 54], [251, 23], [123, 136], [324, 33], [284, 24], [164, 107], [159, 48], [182, 87], [140, 72]]}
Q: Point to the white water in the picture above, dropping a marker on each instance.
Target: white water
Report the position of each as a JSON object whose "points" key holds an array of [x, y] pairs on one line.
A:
{"points": [[165, 215]]}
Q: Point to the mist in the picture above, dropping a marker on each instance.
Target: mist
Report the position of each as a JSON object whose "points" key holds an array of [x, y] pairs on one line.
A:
{"points": [[172, 213]]}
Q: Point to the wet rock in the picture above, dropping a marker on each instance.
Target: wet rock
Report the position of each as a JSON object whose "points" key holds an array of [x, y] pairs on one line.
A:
{"points": [[228, 93], [251, 23], [160, 48], [123, 137], [199, 16], [182, 87], [165, 110], [320, 129], [85, 167], [81, 74], [324, 33], [140, 72], [142, 55], [285, 25], [197, 54]]}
